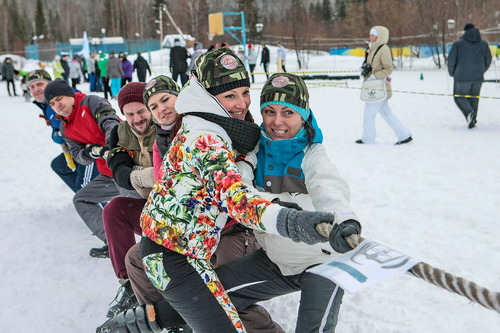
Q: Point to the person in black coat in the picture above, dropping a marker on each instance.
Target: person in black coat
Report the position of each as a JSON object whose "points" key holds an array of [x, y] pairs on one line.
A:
{"points": [[8, 74], [178, 62], [265, 59], [469, 58], [142, 66]]}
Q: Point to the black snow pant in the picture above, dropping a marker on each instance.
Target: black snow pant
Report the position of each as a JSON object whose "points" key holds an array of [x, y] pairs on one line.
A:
{"points": [[467, 105]]}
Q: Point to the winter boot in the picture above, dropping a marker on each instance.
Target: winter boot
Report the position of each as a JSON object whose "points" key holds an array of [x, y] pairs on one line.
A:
{"points": [[138, 320], [125, 299], [100, 252]]}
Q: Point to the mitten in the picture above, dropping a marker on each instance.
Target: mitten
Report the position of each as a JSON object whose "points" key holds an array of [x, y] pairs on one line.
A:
{"points": [[340, 232], [142, 181], [300, 226], [93, 151]]}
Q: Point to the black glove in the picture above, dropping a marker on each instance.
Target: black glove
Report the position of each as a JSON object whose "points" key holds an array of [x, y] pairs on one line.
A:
{"points": [[93, 151], [300, 226], [342, 230], [287, 204], [104, 152]]}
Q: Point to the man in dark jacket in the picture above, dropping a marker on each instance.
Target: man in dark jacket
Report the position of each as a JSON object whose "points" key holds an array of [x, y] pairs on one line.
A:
{"points": [[265, 59], [8, 74], [65, 66], [468, 60], [141, 65], [178, 62]]}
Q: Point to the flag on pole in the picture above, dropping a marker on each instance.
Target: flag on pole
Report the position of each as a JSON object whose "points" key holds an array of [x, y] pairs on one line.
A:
{"points": [[85, 46]]}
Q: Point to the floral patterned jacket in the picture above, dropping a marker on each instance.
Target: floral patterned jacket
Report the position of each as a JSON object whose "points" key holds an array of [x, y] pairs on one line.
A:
{"points": [[200, 185]]}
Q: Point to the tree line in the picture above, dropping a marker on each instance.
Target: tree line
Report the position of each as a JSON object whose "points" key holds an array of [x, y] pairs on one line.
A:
{"points": [[300, 24]]}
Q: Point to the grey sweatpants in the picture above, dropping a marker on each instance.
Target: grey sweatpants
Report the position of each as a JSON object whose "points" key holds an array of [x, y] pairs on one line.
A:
{"points": [[100, 189]]}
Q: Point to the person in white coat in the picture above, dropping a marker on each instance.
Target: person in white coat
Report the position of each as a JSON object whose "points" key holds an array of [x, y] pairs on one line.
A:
{"points": [[380, 59]]}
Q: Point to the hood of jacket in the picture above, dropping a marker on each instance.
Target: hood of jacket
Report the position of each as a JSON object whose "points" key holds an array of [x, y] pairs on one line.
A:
{"points": [[472, 35], [383, 37], [194, 98]]}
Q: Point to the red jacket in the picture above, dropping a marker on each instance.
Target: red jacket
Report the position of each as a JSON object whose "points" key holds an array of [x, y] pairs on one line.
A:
{"points": [[91, 121]]}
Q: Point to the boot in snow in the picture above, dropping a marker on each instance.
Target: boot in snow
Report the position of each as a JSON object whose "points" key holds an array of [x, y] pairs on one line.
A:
{"points": [[125, 299]]}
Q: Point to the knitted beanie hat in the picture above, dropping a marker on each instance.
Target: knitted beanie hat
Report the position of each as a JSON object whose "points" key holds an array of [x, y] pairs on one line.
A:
{"points": [[38, 74], [58, 87], [158, 84], [221, 70], [286, 89], [131, 92]]}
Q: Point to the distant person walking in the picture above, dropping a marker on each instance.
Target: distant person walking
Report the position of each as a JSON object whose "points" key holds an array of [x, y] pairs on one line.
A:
{"points": [[114, 72], [178, 62], [128, 69], [141, 66], [65, 67], [469, 58], [8, 74], [380, 59], [252, 60], [281, 59], [265, 58], [75, 71]]}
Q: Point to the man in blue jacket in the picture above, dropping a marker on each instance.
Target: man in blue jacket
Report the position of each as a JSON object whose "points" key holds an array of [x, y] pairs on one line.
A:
{"points": [[73, 174], [468, 60]]}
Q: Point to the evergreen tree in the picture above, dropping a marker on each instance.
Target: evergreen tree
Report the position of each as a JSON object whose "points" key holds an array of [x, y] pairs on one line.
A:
{"points": [[341, 9], [18, 22], [251, 15], [40, 25], [327, 11]]}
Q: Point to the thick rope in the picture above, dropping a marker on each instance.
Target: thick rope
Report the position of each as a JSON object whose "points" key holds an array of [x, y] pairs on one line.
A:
{"points": [[440, 278]]}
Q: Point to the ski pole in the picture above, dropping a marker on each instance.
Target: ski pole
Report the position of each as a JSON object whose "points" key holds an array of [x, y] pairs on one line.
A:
{"points": [[438, 277]]}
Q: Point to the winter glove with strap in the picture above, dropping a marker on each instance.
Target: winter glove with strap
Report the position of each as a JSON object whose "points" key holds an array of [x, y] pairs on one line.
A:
{"points": [[339, 233], [300, 226]]}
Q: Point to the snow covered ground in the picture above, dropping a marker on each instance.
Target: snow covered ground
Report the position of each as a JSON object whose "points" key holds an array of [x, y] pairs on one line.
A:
{"points": [[436, 199]]}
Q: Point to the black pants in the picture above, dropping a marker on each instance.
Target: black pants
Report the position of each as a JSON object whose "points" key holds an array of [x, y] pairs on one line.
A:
{"points": [[182, 74], [11, 82], [248, 280], [252, 68], [465, 104]]}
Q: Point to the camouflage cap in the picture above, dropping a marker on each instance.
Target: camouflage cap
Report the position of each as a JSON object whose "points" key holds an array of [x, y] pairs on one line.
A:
{"points": [[159, 84], [286, 89], [221, 70], [38, 74]]}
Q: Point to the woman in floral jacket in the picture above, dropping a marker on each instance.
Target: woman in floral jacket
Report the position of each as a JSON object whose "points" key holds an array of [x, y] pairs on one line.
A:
{"points": [[200, 188]]}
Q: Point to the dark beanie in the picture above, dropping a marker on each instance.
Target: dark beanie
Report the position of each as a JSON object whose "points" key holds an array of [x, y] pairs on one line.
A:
{"points": [[58, 87], [131, 92], [158, 84], [38, 74], [221, 70], [469, 26]]}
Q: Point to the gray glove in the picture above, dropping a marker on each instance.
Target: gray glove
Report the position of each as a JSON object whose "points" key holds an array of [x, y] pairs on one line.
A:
{"points": [[300, 226], [142, 181], [340, 232]]}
